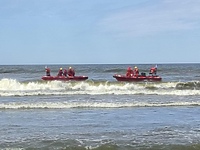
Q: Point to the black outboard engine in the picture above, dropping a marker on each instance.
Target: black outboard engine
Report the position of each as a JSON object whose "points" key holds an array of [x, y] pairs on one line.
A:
{"points": [[143, 74]]}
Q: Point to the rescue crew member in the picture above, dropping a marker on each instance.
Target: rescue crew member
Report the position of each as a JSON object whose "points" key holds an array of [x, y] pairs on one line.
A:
{"points": [[65, 72], [153, 70], [71, 72], [60, 72], [129, 72], [136, 71], [47, 70]]}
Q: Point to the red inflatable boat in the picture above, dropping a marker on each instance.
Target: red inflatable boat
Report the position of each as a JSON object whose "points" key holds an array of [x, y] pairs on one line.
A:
{"points": [[63, 78], [137, 78]]}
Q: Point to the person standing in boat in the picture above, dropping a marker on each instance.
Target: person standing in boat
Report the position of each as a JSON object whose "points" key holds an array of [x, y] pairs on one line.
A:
{"points": [[136, 71], [129, 72], [47, 70], [153, 71], [60, 72], [65, 72], [70, 72]]}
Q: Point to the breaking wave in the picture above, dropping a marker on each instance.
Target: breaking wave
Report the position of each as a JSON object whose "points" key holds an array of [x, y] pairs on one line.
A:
{"points": [[12, 87]]}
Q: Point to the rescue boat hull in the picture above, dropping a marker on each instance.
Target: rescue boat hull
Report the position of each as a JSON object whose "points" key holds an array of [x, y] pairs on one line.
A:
{"points": [[63, 78], [137, 78]]}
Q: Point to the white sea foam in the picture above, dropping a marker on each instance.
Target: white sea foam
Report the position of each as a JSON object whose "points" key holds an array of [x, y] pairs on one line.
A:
{"points": [[10, 87], [66, 105]]}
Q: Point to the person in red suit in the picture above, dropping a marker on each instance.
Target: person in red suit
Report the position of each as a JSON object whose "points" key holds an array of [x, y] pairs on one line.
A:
{"points": [[60, 72], [71, 72], [153, 70], [136, 71], [65, 72], [129, 72], [47, 70]]}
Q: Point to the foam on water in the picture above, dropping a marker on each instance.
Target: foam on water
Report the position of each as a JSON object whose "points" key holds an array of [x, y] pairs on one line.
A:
{"points": [[66, 105], [11, 87]]}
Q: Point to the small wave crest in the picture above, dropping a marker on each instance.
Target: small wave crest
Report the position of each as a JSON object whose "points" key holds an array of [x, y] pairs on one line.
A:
{"points": [[188, 86], [90, 104]]}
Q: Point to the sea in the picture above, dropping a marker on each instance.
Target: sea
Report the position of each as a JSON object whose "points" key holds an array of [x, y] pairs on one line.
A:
{"points": [[100, 113]]}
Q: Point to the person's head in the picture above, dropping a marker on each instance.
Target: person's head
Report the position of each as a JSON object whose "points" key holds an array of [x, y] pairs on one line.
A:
{"points": [[60, 68], [135, 67], [70, 67]]}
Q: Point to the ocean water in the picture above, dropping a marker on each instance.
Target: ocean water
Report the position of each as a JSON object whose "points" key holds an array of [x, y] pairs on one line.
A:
{"points": [[100, 113]]}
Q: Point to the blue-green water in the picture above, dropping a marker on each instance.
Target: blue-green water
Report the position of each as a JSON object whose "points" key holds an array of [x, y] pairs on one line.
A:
{"points": [[100, 113]]}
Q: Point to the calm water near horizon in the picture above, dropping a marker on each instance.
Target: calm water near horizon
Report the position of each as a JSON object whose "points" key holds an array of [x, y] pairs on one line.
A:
{"points": [[100, 113]]}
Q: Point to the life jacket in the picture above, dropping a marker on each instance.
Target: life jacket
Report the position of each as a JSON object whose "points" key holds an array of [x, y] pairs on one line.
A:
{"points": [[153, 70], [65, 73], [60, 73], [136, 72], [129, 72], [71, 72]]}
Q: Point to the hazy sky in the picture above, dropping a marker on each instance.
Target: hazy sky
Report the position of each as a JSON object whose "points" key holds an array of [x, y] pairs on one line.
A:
{"points": [[99, 31]]}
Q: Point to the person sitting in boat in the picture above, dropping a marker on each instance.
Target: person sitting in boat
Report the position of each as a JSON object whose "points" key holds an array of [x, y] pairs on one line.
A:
{"points": [[65, 72], [153, 71], [136, 71], [129, 72], [60, 72], [47, 70], [71, 72]]}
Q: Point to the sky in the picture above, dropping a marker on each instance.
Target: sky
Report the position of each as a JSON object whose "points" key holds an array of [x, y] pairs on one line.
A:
{"points": [[99, 31]]}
